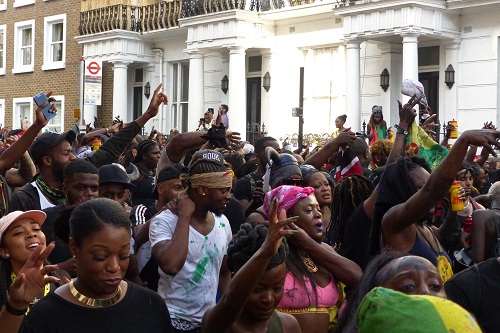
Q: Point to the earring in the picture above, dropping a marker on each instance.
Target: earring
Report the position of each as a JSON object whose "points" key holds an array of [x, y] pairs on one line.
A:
{"points": [[7, 255]]}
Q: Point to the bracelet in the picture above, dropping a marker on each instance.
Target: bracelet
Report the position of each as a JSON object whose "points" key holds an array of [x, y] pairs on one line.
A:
{"points": [[13, 311], [400, 130], [107, 132]]}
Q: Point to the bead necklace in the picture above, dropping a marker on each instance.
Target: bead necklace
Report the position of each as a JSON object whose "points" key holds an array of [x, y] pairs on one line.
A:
{"points": [[93, 302]]}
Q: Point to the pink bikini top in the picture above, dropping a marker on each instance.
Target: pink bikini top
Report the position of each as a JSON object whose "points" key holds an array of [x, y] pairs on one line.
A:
{"points": [[295, 296]]}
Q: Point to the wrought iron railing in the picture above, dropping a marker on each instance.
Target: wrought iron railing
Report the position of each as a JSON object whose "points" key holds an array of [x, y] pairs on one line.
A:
{"points": [[149, 15], [157, 16]]}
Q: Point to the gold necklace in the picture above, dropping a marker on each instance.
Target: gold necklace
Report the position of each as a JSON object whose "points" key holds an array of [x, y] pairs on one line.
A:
{"points": [[93, 302], [311, 266]]}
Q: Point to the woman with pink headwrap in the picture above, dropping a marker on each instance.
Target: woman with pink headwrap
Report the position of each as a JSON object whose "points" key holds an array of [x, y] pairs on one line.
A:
{"points": [[313, 267]]}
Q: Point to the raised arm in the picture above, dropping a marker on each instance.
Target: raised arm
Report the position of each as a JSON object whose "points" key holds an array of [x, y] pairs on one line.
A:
{"points": [[176, 147], [116, 145], [319, 158], [414, 209], [170, 255], [14, 152], [219, 318], [406, 117], [28, 284]]}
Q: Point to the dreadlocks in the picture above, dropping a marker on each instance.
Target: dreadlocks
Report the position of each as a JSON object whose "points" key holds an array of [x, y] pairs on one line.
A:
{"points": [[349, 193]]}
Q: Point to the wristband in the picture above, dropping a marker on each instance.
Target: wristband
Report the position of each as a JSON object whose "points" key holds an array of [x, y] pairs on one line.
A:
{"points": [[13, 311], [400, 130], [107, 132]]}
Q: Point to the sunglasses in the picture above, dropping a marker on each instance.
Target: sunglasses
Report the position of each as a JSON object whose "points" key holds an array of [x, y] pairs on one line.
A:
{"points": [[292, 182]]}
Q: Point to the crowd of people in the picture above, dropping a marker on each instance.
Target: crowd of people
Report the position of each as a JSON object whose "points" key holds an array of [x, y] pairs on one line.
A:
{"points": [[202, 232]]}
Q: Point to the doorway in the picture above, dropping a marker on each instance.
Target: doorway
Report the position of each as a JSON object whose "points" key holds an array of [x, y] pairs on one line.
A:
{"points": [[430, 81], [253, 109], [137, 102]]}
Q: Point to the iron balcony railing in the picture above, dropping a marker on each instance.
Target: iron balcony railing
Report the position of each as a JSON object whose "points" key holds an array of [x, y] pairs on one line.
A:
{"points": [[149, 15]]}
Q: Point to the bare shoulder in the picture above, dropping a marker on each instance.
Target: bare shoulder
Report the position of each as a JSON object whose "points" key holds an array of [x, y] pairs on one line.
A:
{"points": [[289, 323], [483, 213]]}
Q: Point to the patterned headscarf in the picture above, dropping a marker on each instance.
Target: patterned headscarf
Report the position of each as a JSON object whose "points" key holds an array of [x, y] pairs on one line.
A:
{"points": [[287, 196], [389, 311]]}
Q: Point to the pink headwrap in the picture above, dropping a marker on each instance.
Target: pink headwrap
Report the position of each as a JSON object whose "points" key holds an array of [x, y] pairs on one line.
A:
{"points": [[287, 196]]}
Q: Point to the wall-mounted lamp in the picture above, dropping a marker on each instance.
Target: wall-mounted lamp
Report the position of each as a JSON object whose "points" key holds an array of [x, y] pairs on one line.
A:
{"points": [[384, 79], [224, 84], [266, 83], [147, 90], [449, 76]]}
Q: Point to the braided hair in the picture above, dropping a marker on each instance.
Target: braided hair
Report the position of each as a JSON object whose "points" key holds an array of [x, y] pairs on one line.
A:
{"points": [[349, 193], [247, 241], [143, 148]]}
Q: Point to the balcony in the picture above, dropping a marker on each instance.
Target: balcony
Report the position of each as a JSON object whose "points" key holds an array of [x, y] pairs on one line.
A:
{"points": [[149, 15]]}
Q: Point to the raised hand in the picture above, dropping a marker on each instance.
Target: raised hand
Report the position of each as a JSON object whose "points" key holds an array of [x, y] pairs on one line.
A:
{"points": [[429, 125], [185, 206], [345, 138], [489, 126], [156, 101], [277, 228], [407, 112], [39, 117], [232, 138], [32, 278], [482, 137]]}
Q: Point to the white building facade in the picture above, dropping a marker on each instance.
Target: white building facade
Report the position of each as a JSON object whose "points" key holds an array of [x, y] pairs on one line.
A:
{"points": [[343, 48]]}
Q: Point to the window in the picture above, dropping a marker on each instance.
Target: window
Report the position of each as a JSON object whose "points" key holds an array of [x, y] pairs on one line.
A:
{"points": [[180, 96], [3, 4], [22, 115], [56, 124], [3, 30], [24, 41], [2, 113], [54, 55], [19, 3]]}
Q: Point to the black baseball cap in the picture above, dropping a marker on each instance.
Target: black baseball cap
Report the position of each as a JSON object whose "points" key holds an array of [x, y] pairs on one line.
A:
{"points": [[47, 141], [114, 173], [167, 173]]}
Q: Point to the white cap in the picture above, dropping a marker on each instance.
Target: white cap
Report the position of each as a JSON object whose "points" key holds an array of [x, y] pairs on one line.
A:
{"points": [[36, 215]]}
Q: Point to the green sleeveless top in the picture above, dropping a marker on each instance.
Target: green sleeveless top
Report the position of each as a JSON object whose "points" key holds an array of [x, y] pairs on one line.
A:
{"points": [[275, 324]]}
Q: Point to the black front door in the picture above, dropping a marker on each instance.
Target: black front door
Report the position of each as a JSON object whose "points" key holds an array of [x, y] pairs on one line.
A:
{"points": [[430, 81], [137, 102], [253, 109]]}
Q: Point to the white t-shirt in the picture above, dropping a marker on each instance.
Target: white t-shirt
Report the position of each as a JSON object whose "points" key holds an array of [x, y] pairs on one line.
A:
{"points": [[44, 202], [193, 289]]}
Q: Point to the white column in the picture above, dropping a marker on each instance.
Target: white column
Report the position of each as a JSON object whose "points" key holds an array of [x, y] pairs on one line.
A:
{"points": [[224, 57], [353, 94], [266, 105], [391, 59], [410, 56], [450, 94], [120, 89], [237, 90], [196, 86]]}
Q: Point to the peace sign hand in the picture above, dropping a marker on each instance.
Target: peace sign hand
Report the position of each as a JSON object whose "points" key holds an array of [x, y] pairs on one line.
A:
{"points": [[32, 278]]}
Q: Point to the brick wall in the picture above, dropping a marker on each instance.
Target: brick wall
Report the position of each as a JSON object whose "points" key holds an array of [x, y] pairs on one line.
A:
{"points": [[105, 110], [60, 81]]}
